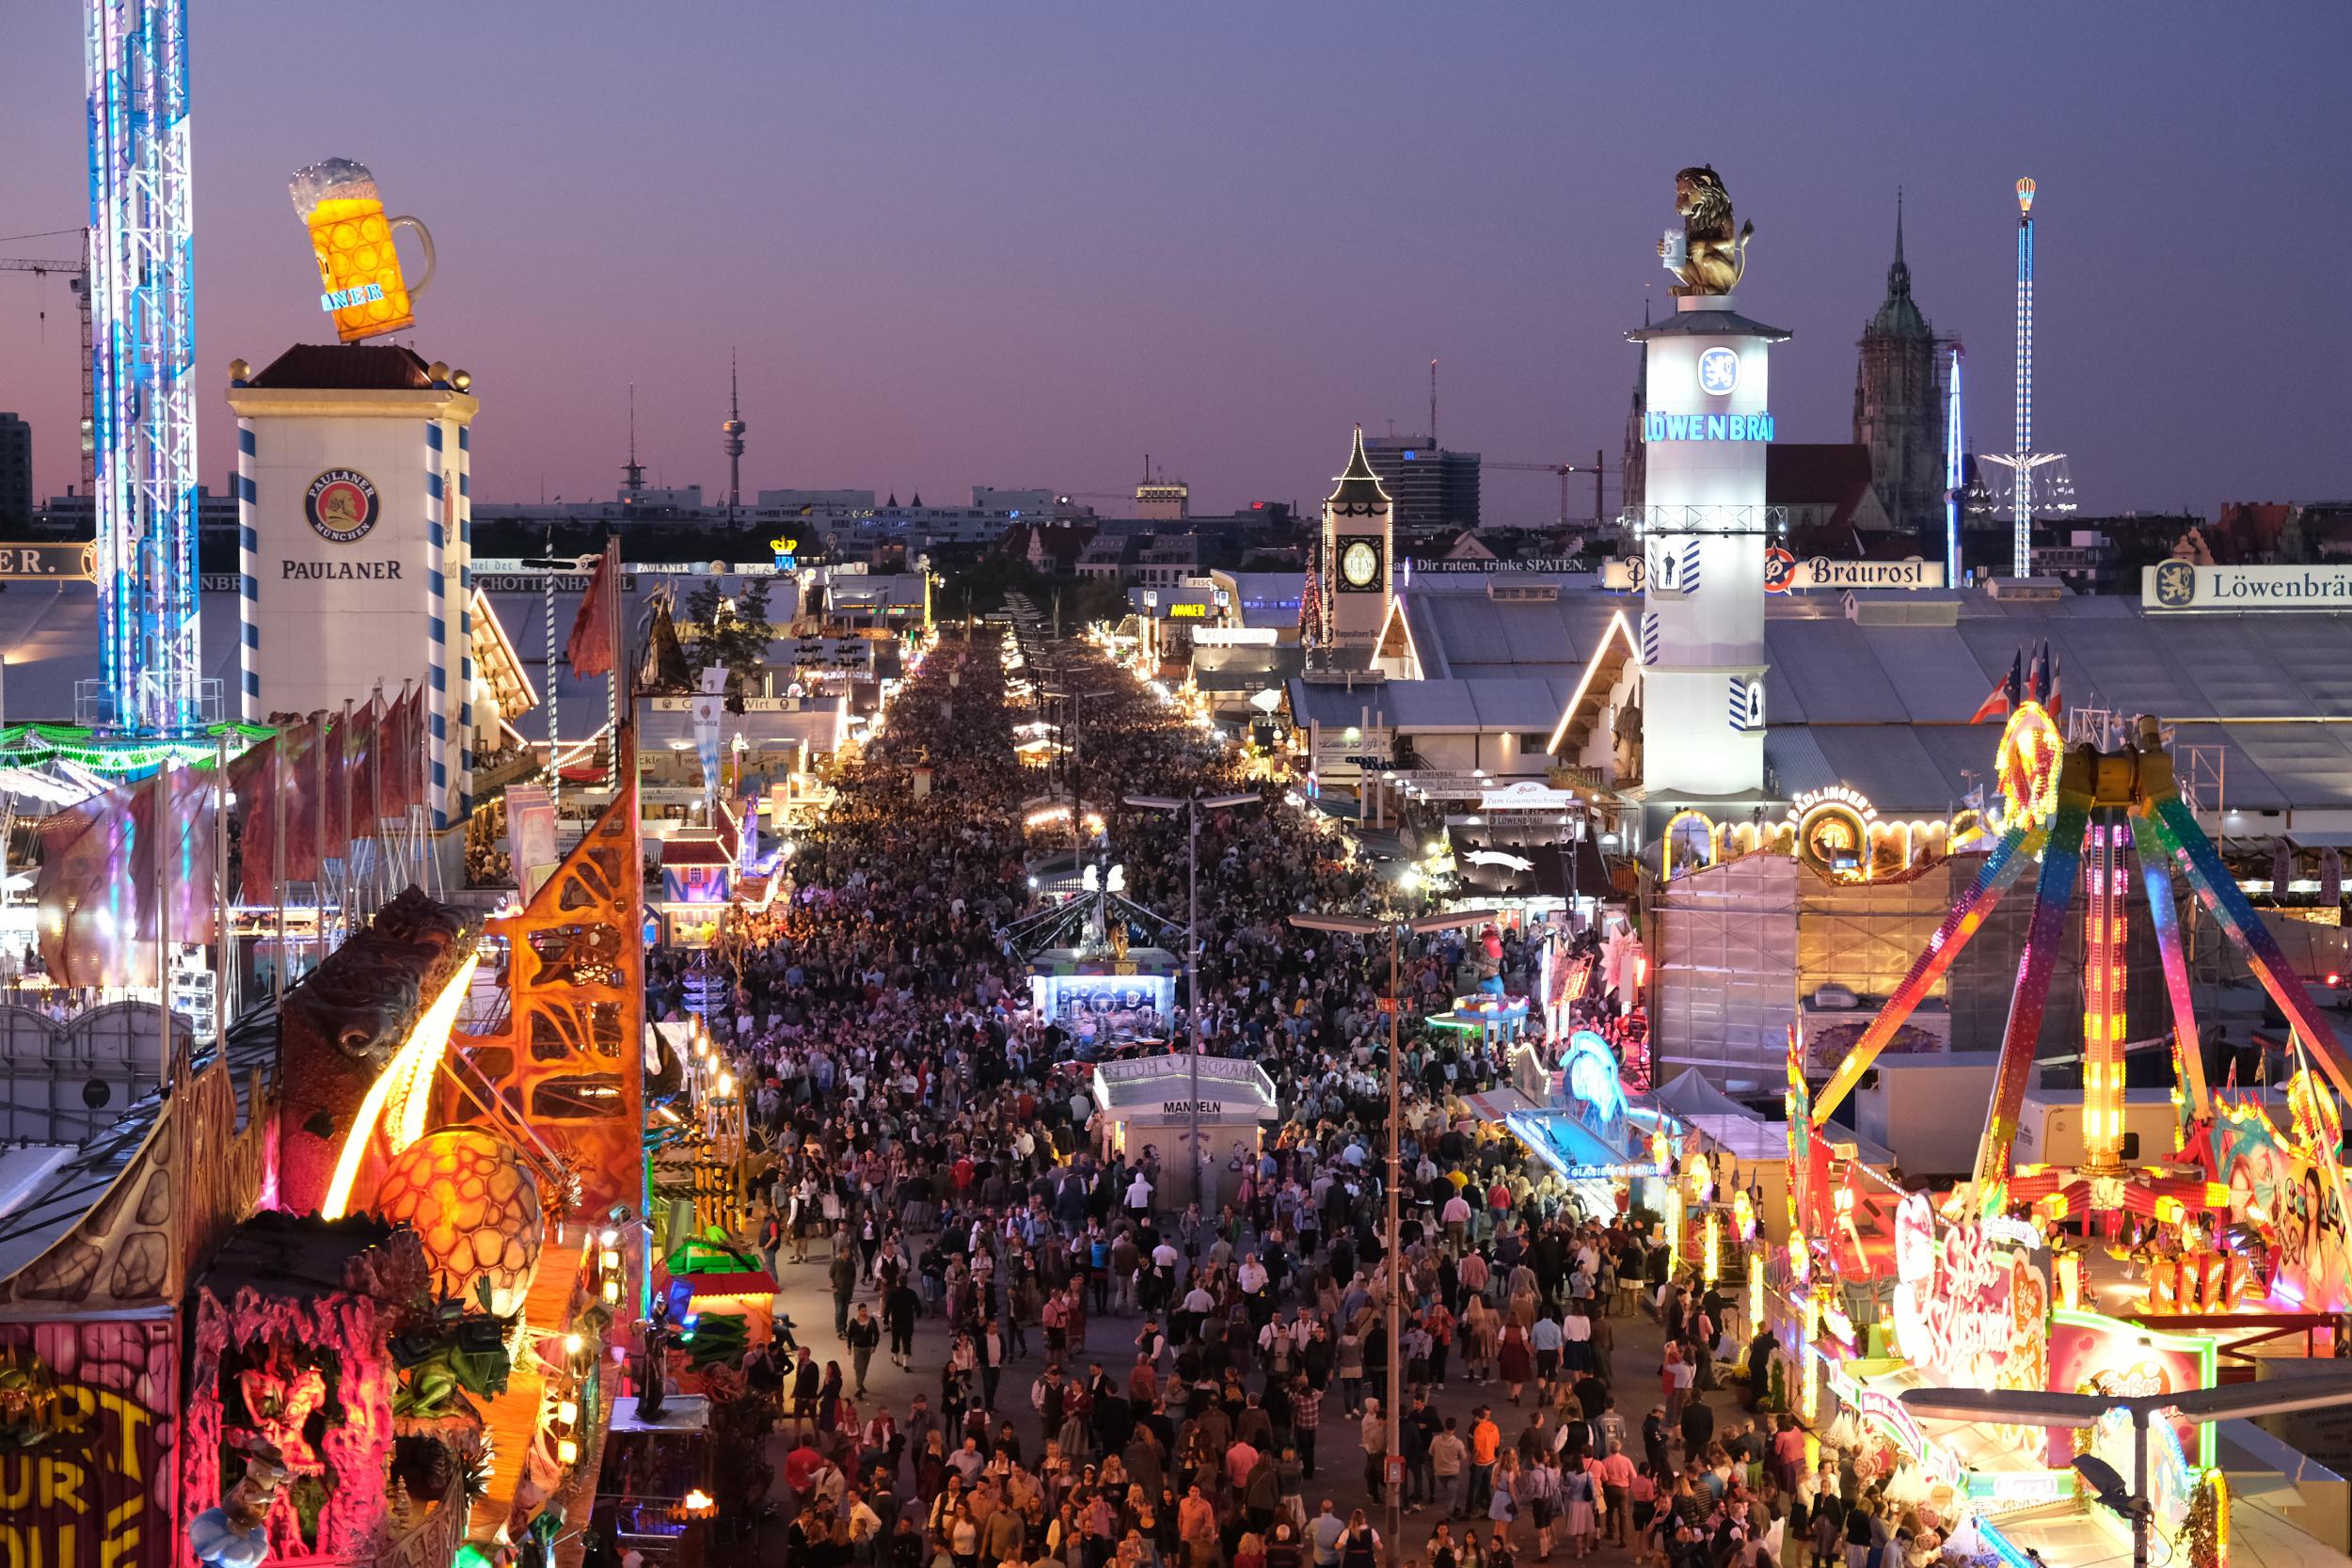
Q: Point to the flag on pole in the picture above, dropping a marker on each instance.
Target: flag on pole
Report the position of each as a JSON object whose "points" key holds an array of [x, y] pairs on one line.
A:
{"points": [[2007, 692], [253, 780], [403, 746], [301, 742], [97, 887], [359, 758], [589, 651], [335, 785]]}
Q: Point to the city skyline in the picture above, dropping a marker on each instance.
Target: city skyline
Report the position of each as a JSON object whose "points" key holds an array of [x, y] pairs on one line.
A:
{"points": [[957, 250]]}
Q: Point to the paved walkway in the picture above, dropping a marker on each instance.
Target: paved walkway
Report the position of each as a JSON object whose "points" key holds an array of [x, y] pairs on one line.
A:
{"points": [[806, 1296]]}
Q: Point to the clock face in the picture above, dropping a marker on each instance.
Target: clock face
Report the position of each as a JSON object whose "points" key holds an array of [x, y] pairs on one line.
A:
{"points": [[1360, 564]]}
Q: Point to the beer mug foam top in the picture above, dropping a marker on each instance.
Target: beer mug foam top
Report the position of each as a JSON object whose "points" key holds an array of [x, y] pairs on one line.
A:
{"points": [[352, 238]]}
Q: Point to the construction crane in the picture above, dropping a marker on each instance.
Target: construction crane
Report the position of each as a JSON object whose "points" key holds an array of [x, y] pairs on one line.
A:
{"points": [[76, 275], [1564, 470]]}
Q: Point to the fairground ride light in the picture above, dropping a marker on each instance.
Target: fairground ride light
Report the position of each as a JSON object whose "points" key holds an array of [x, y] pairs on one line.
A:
{"points": [[400, 1086]]}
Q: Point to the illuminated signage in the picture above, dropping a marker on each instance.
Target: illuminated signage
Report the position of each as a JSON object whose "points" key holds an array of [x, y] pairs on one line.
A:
{"points": [[1719, 371], [1890, 1416], [351, 239], [2185, 585], [2090, 1354], [1784, 573], [1821, 572], [343, 299], [1187, 611], [43, 562], [1539, 565], [538, 582], [1842, 794], [1706, 427], [1956, 1309]]}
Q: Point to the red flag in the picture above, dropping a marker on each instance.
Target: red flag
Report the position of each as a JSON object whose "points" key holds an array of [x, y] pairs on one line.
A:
{"points": [[253, 780], [299, 742], [588, 650], [334, 785], [403, 746], [361, 753], [86, 889], [98, 880]]}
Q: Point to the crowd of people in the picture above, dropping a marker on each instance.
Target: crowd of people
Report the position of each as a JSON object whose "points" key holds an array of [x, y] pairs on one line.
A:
{"points": [[1197, 1379]]}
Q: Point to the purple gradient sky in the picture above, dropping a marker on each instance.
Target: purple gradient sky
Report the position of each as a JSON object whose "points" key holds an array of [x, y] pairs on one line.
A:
{"points": [[1023, 244]]}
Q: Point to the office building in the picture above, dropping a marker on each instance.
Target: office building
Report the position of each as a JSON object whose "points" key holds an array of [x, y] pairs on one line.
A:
{"points": [[1433, 489], [16, 471]]}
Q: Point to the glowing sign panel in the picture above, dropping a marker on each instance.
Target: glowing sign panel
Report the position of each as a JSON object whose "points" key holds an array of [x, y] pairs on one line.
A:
{"points": [[351, 239], [1719, 371], [1707, 427]]}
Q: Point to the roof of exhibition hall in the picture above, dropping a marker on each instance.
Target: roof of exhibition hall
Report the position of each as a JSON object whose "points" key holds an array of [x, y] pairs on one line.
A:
{"points": [[1875, 690]]}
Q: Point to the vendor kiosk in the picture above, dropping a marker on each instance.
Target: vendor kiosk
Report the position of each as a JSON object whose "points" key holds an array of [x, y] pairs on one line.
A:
{"points": [[1148, 1103]]}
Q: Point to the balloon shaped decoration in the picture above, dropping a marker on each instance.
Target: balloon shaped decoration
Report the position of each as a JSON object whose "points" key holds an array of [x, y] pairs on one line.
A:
{"points": [[475, 1205]]}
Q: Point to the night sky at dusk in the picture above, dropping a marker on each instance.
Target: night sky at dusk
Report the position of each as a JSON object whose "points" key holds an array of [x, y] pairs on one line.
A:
{"points": [[1023, 244]]}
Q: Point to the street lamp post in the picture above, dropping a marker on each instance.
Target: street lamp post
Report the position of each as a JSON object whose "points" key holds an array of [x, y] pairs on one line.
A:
{"points": [[1072, 729], [1192, 806], [1362, 927]]}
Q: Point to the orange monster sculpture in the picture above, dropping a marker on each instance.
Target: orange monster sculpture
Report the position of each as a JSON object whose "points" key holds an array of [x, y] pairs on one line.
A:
{"points": [[568, 1065]]}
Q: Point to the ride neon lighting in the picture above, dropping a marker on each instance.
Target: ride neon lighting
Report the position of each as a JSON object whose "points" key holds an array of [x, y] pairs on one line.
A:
{"points": [[406, 1075]]}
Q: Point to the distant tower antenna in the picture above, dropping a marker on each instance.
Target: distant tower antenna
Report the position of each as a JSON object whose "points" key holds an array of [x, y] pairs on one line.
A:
{"points": [[2024, 460], [1433, 403], [733, 445], [2022, 504], [1953, 463], [632, 472]]}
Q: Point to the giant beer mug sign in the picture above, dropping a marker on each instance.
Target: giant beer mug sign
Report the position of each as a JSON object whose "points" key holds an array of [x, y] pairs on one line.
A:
{"points": [[358, 270]]}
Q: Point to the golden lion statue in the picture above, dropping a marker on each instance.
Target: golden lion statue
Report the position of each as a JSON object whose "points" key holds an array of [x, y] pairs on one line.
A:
{"points": [[1714, 258]]}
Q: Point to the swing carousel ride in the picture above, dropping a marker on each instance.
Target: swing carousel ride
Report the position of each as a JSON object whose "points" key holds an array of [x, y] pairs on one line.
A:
{"points": [[2117, 1274]]}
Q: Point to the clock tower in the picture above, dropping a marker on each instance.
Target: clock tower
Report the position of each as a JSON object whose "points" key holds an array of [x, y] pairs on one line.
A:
{"points": [[1357, 543]]}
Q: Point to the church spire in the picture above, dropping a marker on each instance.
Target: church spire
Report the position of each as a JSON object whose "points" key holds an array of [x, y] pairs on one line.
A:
{"points": [[1898, 274]]}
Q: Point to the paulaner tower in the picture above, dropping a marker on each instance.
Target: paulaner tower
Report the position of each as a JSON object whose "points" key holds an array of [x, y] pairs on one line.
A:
{"points": [[1704, 525]]}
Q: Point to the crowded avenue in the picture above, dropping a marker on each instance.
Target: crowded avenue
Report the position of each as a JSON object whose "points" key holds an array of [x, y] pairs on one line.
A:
{"points": [[996, 1342]]}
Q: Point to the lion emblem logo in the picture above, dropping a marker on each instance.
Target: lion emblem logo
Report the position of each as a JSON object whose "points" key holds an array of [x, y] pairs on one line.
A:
{"points": [[2176, 585], [1712, 256]]}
